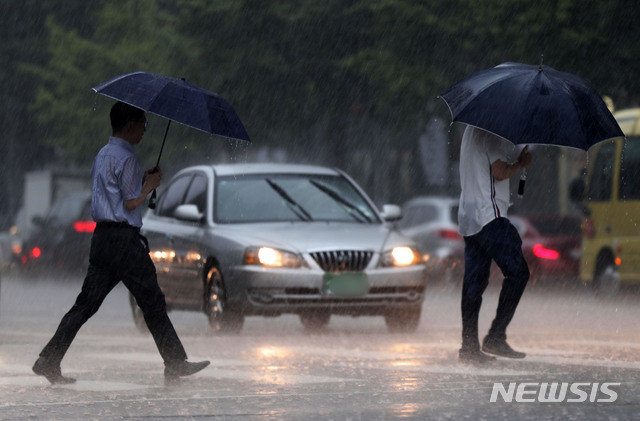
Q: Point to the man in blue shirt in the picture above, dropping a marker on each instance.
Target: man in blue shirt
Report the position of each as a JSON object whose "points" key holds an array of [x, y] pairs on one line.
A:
{"points": [[119, 252]]}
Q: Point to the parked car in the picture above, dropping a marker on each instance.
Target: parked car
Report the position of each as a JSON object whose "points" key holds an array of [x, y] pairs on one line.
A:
{"points": [[432, 222], [551, 244], [268, 239], [62, 238]]}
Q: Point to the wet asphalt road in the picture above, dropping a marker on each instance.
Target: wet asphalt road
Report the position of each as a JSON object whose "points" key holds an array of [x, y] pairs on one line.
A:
{"points": [[354, 370]]}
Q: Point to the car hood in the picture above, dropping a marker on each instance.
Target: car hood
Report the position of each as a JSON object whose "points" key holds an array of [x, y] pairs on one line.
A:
{"points": [[315, 236]]}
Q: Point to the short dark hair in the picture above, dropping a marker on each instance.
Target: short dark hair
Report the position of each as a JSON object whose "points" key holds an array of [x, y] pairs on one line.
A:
{"points": [[122, 113]]}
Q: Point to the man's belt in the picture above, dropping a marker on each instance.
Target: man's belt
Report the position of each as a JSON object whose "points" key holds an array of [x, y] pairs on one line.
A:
{"points": [[112, 224]]}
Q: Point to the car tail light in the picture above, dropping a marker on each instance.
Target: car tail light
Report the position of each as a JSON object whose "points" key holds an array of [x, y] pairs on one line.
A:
{"points": [[84, 226], [447, 234], [35, 252], [545, 253], [588, 228]]}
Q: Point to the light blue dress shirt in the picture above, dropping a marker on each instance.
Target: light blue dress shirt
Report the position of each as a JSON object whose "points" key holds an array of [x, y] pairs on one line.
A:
{"points": [[116, 177]]}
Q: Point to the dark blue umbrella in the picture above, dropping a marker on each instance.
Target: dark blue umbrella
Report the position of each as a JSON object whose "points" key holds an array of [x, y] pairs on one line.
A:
{"points": [[532, 104], [176, 100]]}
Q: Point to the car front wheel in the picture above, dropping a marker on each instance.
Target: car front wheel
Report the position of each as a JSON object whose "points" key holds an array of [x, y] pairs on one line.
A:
{"points": [[222, 319]]}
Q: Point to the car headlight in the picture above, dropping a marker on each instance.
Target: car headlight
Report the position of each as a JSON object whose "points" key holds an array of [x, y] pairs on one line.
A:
{"points": [[401, 256], [270, 257]]}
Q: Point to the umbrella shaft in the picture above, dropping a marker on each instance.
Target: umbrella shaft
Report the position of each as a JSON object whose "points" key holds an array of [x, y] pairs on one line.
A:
{"points": [[163, 140]]}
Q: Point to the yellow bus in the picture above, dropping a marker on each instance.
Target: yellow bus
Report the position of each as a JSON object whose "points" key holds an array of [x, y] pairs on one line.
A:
{"points": [[611, 227]]}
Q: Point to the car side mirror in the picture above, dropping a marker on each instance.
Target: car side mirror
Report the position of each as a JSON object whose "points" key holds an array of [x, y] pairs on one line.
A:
{"points": [[189, 213], [391, 213]]}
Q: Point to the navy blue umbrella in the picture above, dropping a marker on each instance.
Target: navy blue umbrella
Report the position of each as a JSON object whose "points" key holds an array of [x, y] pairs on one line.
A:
{"points": [[176, 100], [532, 104]]}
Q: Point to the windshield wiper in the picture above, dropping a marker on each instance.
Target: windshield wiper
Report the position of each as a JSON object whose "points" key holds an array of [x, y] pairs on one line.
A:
{"points": [[336, 196], [295, 206]]}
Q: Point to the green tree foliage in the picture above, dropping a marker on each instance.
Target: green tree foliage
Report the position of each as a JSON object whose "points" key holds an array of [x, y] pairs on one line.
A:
{"points": [[129, 35], [349, 83], [23, 35]]}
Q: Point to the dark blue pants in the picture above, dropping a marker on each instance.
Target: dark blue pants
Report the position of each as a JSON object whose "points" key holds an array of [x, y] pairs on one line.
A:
{"points": [[498, 241], [118, 254]]}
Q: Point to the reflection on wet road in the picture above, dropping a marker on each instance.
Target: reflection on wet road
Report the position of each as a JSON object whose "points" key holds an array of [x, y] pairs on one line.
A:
{"points": [[354, 370]]}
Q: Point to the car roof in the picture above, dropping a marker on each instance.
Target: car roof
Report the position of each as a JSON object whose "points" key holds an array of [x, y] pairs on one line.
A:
{"points": [[266, 168]]}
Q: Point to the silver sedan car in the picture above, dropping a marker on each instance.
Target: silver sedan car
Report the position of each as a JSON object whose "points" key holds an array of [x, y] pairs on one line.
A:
{"points": [[267, 239]]}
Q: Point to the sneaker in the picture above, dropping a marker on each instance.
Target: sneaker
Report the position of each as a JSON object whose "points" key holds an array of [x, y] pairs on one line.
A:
{"points": [[173, 371], [475, 357], [51, 372], [501, 348]]}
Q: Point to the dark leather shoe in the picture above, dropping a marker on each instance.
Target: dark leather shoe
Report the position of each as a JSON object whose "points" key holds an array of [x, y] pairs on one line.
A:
{"points": [[475, 357], [173, 371], [51, 372], [501, 348]]}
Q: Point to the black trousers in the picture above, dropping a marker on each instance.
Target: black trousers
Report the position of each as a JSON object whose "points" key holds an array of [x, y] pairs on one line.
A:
{"points": [[118, 253], [499, 241]]}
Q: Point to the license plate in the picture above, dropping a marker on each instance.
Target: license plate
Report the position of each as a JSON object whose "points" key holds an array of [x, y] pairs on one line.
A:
{"points": [[346, 284]]}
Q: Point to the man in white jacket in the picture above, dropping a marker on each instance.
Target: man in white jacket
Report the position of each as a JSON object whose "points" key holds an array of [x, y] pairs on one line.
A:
{"points": [[488, 235]]}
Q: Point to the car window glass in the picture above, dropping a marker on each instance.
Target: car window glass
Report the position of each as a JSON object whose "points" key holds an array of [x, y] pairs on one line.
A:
{"points": [[629, 188], [557, 227], [409, 217], [67, 209], [417, 215], [172, 197], [254, 199], [85, 214], [197, 193], [453, 214], [602, 174], [427, 214]]}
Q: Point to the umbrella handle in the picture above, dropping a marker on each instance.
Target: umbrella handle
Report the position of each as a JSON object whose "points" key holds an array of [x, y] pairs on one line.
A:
{"points": [[152, 200], [523, 178]]}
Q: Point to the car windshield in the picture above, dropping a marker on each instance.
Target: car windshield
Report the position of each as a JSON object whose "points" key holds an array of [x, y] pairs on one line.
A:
{"points": [[289, 197]]}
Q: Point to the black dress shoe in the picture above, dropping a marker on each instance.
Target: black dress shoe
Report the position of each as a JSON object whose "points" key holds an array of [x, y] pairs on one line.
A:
{"points": [[51, 372], [173, 371], [475, 357], [501, 348]]}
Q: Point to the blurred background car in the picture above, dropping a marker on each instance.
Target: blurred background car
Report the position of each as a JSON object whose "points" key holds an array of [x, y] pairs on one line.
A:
{"points": [[62, 238], [551, 245], [432, 222], [268, 239]]}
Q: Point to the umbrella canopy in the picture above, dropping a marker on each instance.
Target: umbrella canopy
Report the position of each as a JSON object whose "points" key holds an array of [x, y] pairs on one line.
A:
{"points": [[532, 104], [176, 100]]}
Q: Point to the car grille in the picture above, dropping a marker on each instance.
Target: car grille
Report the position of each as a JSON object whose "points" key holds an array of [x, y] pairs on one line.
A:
{"points": [[342, 260]]}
